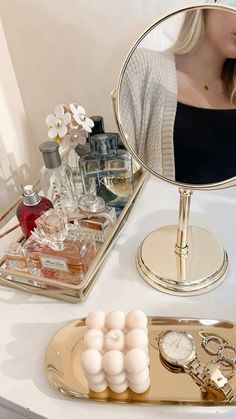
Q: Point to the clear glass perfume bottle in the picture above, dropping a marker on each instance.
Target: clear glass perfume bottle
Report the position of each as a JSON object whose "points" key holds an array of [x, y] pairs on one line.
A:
{"points": [[31, 208], [56, 178], [107, 171], [59, 250], [15, 259], [98, 128], [93, 215]]}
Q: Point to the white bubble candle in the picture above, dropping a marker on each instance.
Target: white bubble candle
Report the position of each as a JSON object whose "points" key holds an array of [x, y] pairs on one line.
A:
{"points": [[116, 351]]}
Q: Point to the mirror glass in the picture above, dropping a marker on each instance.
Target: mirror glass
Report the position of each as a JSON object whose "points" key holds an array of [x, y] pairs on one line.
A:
{"points": [[177, 97]]}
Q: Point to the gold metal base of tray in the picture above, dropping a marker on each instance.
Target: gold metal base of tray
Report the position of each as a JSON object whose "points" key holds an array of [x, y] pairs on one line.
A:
{"points": [[63, 369]]}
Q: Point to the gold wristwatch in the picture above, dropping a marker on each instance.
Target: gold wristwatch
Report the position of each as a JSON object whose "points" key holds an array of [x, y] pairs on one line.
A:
{"points": [[178, 353]]}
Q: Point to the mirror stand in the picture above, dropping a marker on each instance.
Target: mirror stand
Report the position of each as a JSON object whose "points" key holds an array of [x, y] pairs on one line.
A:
{"points": [[183, 259]]}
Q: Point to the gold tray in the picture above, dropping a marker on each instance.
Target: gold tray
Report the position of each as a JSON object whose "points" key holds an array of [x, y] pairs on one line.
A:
{"points": [[60, 290], [63, 369]]}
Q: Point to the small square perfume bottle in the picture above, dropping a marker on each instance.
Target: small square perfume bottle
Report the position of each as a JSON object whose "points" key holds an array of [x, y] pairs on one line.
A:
{"points": [[58, 250], [107, 171], [99, 221], [15, 259], [93, 215]]}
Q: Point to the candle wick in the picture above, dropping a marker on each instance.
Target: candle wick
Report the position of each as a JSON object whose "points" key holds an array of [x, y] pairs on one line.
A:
{"points": [[114, 336]]}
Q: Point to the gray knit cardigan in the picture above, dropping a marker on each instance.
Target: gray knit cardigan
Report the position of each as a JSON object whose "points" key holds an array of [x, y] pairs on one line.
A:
{"points": [[148, 101]]}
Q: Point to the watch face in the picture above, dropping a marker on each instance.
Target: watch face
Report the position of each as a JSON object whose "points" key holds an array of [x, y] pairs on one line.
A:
{"points": [[177, 347]]}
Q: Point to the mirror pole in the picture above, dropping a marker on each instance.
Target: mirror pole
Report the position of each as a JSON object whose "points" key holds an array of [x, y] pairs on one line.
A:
{"points": [[181, 247], [178, 265]]}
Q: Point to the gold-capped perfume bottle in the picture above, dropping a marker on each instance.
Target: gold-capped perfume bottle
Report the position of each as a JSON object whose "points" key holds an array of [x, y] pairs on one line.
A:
{"points": [[58, 250]]}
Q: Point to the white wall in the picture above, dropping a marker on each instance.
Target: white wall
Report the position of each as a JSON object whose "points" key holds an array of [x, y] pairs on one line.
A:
{"points": [[62, 51], [14, 131], [164, 35]]}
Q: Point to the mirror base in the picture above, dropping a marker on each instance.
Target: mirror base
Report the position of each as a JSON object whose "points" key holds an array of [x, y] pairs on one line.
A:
{"points": [[201, 270]]}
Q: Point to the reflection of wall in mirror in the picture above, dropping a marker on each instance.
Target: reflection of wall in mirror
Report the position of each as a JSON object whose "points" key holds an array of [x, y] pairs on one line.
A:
{"points": [[165, 35], [227, 2]]}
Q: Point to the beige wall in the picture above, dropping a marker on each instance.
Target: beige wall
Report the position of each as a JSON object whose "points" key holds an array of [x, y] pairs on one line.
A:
{"points": [[14, 132], [62, 51]]}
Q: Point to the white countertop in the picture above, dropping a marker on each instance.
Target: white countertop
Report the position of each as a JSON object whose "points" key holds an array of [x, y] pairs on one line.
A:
{"points": [[28, 322]]}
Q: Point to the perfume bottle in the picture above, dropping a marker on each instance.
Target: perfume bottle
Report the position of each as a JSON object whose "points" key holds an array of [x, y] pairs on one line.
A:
{"points": [[15, 259], [107, 171], [56, 178], [98, 128], [31, 208], [94, 216], [58, 250]]}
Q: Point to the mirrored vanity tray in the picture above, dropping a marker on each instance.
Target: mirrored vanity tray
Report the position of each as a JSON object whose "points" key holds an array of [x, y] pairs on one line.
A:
{"points": [[62, 364], [61, 290]]}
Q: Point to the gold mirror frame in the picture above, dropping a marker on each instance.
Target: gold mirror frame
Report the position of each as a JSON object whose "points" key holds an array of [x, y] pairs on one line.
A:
{"points": [[179, 266]]}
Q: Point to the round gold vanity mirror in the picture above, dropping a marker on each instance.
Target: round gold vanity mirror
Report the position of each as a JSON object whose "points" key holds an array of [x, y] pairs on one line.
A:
{"points": [[175, 107]]}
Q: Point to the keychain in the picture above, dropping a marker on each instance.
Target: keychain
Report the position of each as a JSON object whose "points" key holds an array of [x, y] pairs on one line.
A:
{"points": [[223, 360]]}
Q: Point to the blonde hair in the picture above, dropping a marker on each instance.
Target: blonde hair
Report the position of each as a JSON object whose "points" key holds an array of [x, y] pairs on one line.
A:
{"points": [[190, 37]]}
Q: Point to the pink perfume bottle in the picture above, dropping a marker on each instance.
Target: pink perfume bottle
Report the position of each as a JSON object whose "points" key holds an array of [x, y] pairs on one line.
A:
{"points": [[59, 250], [32, 207]]}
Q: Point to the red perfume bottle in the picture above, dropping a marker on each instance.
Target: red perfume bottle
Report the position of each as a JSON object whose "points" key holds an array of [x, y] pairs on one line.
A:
{"points": [[31, 208]]}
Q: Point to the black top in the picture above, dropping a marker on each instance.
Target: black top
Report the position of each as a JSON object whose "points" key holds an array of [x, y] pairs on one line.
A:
{"points": [[204, 144]]}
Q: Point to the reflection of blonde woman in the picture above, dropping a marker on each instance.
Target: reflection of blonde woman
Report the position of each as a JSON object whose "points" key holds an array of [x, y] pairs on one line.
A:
{"points": [[183, 101]]}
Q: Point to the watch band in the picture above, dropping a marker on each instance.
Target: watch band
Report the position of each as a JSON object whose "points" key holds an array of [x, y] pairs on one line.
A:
{"points": [[197, 371], [219, 382], [209, 377]]}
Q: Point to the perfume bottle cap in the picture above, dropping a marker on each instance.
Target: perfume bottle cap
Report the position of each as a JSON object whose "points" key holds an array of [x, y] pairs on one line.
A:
{"points": [[91, 204], [30, 195], [103, 144], [52, 225], [51, 154], [15, 249], [98, 127]]}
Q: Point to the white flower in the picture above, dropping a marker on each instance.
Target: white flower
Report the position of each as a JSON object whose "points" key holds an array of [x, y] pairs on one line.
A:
{"points": [[58, 122], [79, 115], [75, 137]]}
